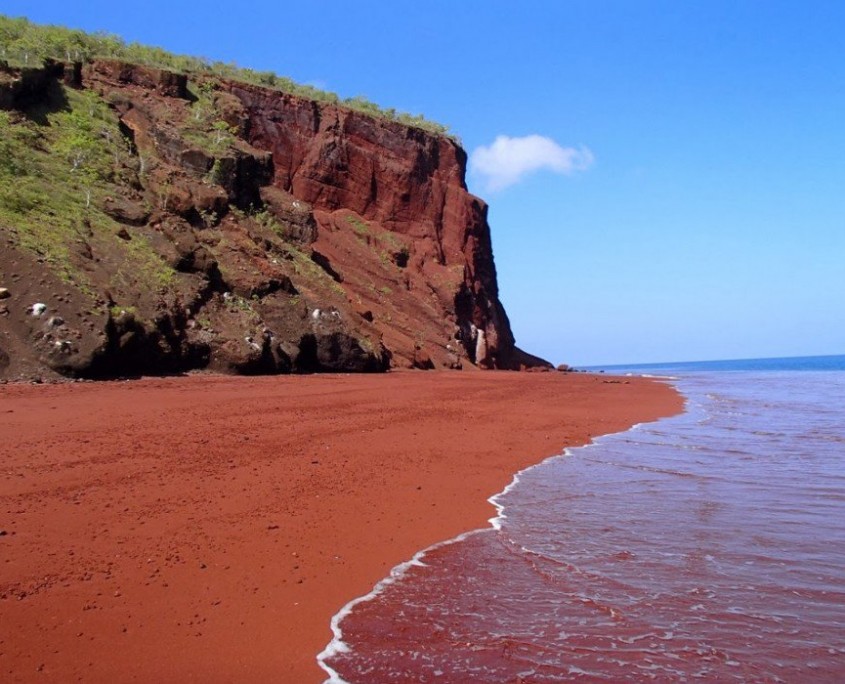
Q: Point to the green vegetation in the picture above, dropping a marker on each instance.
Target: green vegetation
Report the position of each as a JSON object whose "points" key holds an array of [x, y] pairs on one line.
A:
{"points": [[304, 266], [143, 265], [359, 226], [238, 303], [399, 253], [267, 220], [209, 218], [116, 311], [19, 193], [23, 43], [205, 128], [392, 241], [216, 175], [54, 176], [49, 174]]}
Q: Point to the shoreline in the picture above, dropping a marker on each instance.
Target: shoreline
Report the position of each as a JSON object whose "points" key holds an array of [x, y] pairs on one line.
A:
{"points": [[338, 645], [208, 528]]}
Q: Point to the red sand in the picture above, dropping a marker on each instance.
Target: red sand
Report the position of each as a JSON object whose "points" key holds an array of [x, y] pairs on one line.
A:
{"points": [[207, 528]]}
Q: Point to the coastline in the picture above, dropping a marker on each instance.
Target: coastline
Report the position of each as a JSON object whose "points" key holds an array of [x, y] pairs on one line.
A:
{"points": [[207, 528], [338, 645]]}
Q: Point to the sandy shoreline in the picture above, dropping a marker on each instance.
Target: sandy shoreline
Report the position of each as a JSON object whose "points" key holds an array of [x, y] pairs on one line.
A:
{"points": [[207, 528]]}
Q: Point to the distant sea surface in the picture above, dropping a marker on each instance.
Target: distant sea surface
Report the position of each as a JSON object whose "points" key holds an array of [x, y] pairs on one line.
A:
{"points": [[791, 363], [705, 547]]}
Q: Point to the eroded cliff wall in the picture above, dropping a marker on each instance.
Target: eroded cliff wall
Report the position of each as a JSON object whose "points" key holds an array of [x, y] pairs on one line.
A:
{"points": [[286, 235], [403, 179]]}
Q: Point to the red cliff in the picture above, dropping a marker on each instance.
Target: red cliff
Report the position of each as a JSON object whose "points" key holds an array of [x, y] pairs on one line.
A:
{"points": [[301, 236], [403, 179]]}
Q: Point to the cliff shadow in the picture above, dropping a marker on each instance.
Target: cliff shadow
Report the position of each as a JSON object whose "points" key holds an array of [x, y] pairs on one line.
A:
{"points": [[36, 92]]}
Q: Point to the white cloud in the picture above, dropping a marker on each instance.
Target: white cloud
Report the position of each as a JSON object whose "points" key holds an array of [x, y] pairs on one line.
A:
{"points": [[508, 160]]}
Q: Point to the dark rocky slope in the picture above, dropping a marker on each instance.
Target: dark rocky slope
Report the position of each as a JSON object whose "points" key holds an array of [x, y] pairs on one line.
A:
{"points": [[152, 224]]}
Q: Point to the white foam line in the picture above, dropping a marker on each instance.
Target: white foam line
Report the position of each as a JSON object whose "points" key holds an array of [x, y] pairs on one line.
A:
{"points": [[338, 645]]}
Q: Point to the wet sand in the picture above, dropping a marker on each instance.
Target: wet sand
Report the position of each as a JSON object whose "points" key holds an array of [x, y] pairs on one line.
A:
{"points": [[207, 528]]}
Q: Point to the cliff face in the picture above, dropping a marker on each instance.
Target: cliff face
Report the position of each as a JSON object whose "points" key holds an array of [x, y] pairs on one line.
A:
{"points": [[295, 236], [403, 179]]}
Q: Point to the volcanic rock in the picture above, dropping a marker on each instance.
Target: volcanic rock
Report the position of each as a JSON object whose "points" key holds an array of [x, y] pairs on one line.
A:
{"points": [[250, 210]]}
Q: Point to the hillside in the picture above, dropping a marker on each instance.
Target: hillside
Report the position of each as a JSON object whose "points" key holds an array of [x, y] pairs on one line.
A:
{"points": [[158, 222]]}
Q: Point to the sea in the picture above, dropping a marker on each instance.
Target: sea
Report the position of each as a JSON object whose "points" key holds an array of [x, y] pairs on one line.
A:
{"points": [[709, 546]]}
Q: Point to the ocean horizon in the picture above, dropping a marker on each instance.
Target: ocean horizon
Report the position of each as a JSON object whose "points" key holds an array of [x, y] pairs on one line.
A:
{"points": [[705, 546], [777, 363]]}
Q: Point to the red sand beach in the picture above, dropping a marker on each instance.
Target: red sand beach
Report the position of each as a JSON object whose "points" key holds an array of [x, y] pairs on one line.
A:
{"points": [[207, 528]]}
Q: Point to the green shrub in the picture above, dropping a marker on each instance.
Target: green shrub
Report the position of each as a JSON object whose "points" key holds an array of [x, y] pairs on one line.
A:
{"points": [[26, 44]]}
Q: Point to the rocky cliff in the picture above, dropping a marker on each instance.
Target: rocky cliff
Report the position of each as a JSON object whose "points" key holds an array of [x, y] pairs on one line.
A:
{"points": [[156, 223]]}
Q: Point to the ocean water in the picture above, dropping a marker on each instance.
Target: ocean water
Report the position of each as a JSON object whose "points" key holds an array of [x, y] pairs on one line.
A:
{"points": [[709, 546], [790, 363]]}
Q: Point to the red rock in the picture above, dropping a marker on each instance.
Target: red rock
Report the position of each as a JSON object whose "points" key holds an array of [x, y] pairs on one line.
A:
{"points": [[299, 208], [162, 81], [407, 180]]}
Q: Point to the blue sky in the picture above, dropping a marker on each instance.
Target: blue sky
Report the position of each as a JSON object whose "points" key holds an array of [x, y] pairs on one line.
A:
{"points": [[689, 200]]}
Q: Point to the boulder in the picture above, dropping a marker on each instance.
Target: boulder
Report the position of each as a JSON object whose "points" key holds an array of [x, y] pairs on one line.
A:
{"points": [[338, 352], [422, 360], [294, 215], [125, 211]]}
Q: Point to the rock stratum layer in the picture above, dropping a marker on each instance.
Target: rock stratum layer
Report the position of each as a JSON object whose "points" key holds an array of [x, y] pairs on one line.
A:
{"points": [[164, 224]]}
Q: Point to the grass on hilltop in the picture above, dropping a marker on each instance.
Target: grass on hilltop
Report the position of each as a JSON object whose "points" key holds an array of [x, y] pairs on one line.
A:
{"points": [[23, 43]]}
